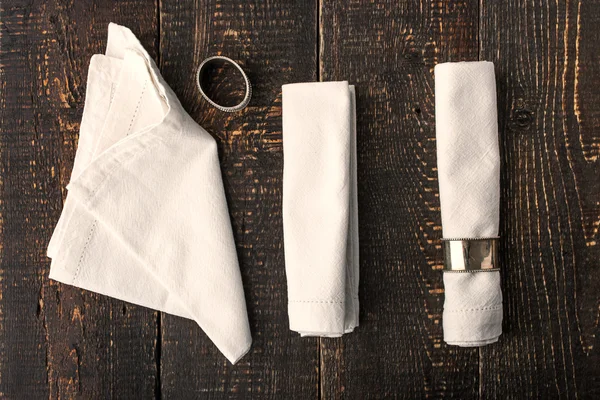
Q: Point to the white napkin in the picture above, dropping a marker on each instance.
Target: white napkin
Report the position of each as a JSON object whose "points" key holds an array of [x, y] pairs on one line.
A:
{"points": [[320, 213], [469, 176], [146, 219]]}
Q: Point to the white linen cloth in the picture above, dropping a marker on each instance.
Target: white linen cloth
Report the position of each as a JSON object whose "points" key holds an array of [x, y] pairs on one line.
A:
{"points": [[320, 212], [469, 175], [146, 219]]}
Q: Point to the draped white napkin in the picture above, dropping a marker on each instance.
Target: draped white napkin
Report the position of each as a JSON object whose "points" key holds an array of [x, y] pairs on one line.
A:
{"points": [[320, 214], [146, 218], [469, 175]]}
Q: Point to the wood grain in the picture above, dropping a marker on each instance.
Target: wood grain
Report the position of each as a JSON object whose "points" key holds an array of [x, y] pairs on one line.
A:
{"points": [[546, 57], [276, 44], [388, 50], [57, 341]]}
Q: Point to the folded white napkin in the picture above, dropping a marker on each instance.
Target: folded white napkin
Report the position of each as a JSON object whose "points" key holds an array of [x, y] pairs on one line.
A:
{"points": [[469, 175], [146, 219], [320, 213]]}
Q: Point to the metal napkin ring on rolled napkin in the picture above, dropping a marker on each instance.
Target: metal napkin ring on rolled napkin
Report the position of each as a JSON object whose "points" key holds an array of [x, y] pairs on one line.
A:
{"points": [[471, 255], [228, 60]]}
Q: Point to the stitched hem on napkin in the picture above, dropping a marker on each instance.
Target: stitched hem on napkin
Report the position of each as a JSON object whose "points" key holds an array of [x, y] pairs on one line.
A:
{"points": [[472, 327], [318, 318]]}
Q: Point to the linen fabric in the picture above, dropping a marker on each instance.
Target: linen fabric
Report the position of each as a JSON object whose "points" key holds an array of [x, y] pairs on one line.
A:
{"points": [[146, 219], [469, 175], [320, 212]]}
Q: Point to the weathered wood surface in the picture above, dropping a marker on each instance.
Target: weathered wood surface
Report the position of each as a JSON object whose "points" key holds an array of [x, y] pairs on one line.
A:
{"points": [[275, 44], [398, 349], [546, 58], [57, 341]]}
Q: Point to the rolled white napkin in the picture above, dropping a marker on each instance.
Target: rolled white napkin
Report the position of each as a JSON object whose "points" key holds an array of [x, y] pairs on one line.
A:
{"points": [[320, 214], [146, 219], [469, 175]]}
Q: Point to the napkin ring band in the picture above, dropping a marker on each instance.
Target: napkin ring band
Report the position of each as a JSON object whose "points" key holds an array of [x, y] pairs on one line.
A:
{"points": [[471, 255], [248, 93]]}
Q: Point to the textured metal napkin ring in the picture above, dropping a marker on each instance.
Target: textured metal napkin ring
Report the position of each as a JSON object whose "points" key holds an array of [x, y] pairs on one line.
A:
{"points": [[471, 255], [247, 96]]}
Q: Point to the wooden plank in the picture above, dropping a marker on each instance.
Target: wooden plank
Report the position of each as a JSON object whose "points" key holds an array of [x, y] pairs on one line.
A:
{"points": [[57, 341], [388, 50], [547, 63], [276, 44]]}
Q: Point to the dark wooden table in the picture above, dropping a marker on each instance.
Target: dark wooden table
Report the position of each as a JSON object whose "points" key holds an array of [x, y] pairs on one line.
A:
{"points": [[57, 341]]}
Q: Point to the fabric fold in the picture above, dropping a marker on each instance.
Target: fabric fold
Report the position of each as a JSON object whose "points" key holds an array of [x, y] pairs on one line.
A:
{"points": [[469, 179], [146, 219], [320, 211]]}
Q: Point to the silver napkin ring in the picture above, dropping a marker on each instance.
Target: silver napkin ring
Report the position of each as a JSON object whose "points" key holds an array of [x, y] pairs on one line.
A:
{"points": [[471, 255], [247, 96]]}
